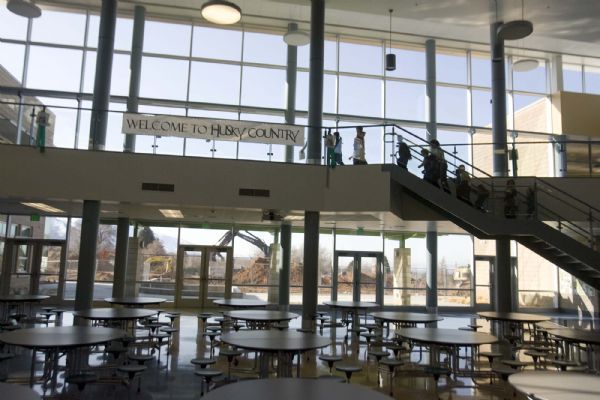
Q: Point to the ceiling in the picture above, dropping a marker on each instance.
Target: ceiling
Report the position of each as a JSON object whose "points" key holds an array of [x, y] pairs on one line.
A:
{"points": [[368, 221], [565, 26]]}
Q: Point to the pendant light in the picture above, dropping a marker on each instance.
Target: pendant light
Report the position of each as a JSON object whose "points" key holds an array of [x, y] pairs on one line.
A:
{"points": [[221, 12], [24, 8], [295, 37], [390, 58]]}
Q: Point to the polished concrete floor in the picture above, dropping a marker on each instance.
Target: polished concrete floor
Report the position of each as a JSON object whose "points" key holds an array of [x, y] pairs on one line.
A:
{"points": [[173, 377]]}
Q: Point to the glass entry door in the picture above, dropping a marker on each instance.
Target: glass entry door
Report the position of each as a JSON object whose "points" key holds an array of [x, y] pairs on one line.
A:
{"points": [[358, 276], [34, 266], [203, 273], [484, 267]]}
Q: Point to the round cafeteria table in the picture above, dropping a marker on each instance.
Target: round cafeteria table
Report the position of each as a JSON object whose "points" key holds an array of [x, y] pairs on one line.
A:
{"points": [[125, 316], [17, 392], [409, 319], [447, 337], [589, 338], [54, 340], [283, 343], [550, 385], [135, 301], [293, 389], [241, 303], [513, 317], [353, 308], [260, 319], [19, 300], [505, 318]]}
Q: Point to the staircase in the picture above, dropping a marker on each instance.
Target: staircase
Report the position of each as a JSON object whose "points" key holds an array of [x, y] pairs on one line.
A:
{"points": [[567, 244]]}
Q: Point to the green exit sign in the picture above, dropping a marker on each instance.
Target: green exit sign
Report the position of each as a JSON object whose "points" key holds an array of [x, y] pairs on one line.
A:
{"points": [[35, 217]]}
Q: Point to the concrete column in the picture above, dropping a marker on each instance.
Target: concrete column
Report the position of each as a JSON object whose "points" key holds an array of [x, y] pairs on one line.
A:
{"points": [[503, 284], [86, 269], [135, 66], [101, 101], [121, 257], [431, 262], [284, 274], [315, 89], [498, 103], [290, 80], [311, 267], [431, 236], [560, 145], [431, 89]]}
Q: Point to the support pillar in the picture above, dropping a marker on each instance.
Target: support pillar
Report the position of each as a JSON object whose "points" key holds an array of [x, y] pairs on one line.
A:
{"points": [[135, 65], [284, 274], [560, 145], [86, 266], [290, 79], [498, 103], [121, 257], [431, 237], [503, 283], [310, 272], [431, 91], [86, 269], [431, 302], [315, 89]]}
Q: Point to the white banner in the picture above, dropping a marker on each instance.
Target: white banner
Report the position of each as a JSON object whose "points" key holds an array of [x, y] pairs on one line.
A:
{"points": [[213, 129]]}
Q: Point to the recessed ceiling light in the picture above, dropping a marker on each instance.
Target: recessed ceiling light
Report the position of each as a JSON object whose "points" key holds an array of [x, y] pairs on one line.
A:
{"points": [[171, 213], [43, 207], [221, 12]]}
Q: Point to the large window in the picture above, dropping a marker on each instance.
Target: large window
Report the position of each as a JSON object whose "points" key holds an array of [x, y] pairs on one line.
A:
{"points": [[404, 269]]}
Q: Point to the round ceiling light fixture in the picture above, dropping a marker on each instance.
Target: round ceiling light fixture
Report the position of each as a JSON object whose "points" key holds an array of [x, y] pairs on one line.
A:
{"points": [[294, 37], [24, 8], [525, 65], [515, 30], [221, 12]]}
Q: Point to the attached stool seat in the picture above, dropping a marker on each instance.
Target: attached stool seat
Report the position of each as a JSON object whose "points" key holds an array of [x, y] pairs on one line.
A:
{"points": [[348, 369], [330, 359], [132, 370], [564, 364], [80, 380], [515, 364], [207, 375], [231, 355], [391, 363], [203, 362]]}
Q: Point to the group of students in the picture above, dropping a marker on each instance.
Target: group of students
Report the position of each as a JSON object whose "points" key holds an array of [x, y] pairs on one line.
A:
{"points": [[333, 143], [435, 170]]}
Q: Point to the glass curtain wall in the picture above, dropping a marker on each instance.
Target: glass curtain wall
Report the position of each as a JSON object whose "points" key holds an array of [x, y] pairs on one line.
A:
{"points": [[227, 73]]}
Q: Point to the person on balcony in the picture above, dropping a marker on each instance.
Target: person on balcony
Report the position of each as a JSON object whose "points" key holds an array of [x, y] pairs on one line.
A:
{"points": [[437, 151], [330, 146], [359, 147], [431, 168], [510, 199], [338, 148], [403, 153], [463, 184]]}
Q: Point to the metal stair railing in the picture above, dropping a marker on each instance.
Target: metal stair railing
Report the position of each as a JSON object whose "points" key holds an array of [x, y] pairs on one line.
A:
{"points": [[550, 204]]}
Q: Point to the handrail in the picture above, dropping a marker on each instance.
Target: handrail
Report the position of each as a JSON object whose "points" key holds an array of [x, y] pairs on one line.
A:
{"points": [[538, 186], [568, 194]]}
